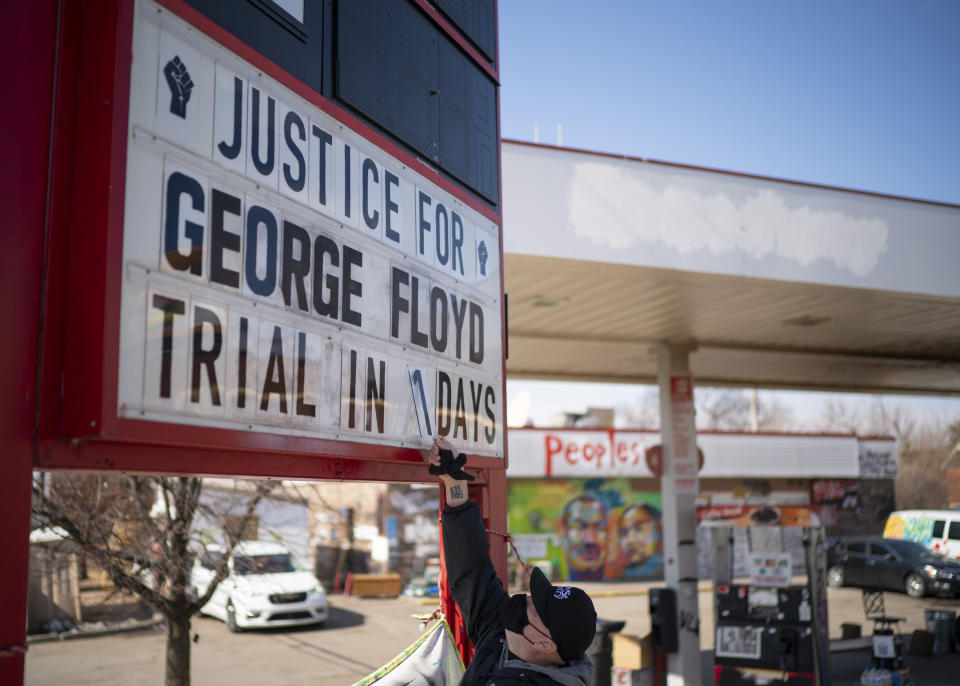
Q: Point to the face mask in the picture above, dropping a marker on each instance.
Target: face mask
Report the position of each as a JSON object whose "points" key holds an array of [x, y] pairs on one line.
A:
{"points": [[513, 614]]}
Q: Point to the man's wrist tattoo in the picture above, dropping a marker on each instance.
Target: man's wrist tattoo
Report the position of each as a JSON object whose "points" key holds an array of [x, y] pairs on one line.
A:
{"points": [[456, 492]]}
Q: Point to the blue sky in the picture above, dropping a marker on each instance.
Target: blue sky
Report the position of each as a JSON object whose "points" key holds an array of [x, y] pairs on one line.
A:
{"points": [[861, 94]]}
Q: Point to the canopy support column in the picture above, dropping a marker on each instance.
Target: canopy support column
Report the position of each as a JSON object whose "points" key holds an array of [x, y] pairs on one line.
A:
{"points": [[679, 487]]}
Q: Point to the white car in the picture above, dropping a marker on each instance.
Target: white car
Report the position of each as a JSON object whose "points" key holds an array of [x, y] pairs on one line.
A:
{"points": [[265, 587]]}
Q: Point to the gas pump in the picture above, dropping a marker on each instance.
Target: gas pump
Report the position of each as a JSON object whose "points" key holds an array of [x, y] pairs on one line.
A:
{"points": [[770, 606]]}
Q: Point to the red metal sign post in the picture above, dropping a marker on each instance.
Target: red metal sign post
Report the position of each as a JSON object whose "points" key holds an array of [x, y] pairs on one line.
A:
{"points": [[93, 329]]}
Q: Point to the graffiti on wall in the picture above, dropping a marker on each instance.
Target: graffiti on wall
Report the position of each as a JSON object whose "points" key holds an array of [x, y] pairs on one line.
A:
{"points": [[911, 528], [588, 529]]}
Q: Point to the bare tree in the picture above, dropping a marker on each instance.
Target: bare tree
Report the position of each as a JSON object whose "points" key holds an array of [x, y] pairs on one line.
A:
{"points": [[774, 414], [718, 409], [139, 531], [924, 448], [840, 416], [644, 413], [924, 445], [721, 409]]}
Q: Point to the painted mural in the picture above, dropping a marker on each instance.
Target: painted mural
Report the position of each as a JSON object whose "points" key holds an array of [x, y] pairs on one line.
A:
{"points": [[588, 529]]}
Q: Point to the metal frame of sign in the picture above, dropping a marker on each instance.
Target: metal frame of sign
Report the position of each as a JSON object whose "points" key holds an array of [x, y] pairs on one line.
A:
{"points": [[62, 278], [84, 279]]}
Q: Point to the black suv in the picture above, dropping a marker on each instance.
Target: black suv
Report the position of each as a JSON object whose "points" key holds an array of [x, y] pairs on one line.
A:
{"points": [[890, 564]]}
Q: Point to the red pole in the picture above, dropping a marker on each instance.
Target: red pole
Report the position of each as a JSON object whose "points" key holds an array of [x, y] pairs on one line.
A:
{"points": [[29, 43], [495, 516]]}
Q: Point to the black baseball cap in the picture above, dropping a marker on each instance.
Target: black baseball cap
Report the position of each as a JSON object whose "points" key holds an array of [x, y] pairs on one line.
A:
{"points": [[567, 612]]}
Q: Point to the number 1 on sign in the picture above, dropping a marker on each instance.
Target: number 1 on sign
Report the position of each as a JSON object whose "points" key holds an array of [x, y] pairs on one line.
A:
{"points": [[420, 401]]}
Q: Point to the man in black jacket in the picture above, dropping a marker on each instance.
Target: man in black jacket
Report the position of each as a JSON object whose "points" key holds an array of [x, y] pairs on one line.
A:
{"points": [[538, 638]]}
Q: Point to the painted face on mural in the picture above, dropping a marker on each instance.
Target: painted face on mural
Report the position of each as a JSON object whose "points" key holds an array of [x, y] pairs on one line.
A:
{"points": [[638, 535], [584, 536]]}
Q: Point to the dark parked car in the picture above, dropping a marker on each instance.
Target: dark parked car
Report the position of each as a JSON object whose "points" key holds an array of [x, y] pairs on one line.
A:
{"points": [[888, 564]]}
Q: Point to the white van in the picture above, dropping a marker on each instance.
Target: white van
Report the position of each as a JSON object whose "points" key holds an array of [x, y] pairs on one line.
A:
{"points": [[939, 530]]}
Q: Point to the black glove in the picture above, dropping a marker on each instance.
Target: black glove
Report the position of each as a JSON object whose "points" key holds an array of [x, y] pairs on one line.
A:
{"points": [[451, 465]]}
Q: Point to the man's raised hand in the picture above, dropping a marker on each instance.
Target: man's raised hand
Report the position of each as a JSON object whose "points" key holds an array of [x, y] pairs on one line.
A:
{"points": [[444, 463]]}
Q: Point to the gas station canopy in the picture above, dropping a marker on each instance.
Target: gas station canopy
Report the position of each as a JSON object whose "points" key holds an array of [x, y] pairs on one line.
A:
{"points": [[777, 284]]}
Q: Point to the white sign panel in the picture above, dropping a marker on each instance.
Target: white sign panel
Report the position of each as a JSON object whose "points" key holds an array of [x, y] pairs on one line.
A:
{"points": [[878, 459], [531, 546], [739, 641], [579, 454], [770, 569], [682, 463], [283, 274]]}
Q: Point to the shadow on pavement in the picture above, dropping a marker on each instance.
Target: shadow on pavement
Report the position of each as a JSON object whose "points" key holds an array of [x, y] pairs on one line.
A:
{"points": [[337, 618], [340, 618]]}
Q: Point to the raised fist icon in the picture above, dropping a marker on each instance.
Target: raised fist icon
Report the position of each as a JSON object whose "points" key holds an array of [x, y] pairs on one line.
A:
{"points": [[178, 80], [482, 254]]}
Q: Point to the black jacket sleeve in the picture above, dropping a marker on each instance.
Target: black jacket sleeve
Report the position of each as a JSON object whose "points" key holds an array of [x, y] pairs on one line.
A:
{"points": [[474, 583]]}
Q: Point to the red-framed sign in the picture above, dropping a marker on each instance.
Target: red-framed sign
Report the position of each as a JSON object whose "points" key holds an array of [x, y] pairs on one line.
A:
{"points": [[252, 276]]}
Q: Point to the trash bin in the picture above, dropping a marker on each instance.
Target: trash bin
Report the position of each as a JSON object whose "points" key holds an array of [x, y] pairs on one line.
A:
{"points": [[600, 651], [941, 622]]}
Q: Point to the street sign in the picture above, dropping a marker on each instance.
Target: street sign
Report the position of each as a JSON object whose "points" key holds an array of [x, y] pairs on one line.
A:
{"points": [[284, 274]]}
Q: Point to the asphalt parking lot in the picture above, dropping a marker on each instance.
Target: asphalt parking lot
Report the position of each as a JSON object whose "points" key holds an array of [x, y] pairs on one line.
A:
{"points": [[363, 634]]}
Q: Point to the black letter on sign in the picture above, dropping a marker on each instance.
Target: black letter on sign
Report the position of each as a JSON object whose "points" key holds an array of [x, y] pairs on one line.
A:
{"points": [[256, 216], [390, 180], [459, 318], [417, 337], [201, 316], [490, 433], [457, 242], [460, 421], [232, 150], [295, 268], [303, 409], [325, 140], [438, 301], [351, 286], [370, 168], [475, 390], [180, 184], [398, 303], [264, 167], [352, 408], [375, 395], [220, 240], [476, 333], [346, 181], [297, 182], [330, 307], [442, 235], [169, 307], [242, 365], [422, 199], [275, 368], [444, 391]]}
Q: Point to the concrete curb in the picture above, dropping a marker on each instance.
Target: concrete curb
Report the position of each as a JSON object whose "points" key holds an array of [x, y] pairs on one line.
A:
{"points": [[154, 621]]}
